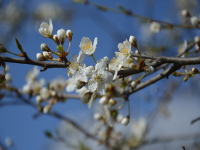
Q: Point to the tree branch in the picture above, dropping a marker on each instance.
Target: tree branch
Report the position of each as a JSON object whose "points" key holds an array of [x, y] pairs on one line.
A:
{"points": [[33, 62], [195, 120], [164, 74]]}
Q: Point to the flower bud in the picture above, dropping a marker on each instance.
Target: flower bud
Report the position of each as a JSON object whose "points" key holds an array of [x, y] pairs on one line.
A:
{"points": [[7, 68], [137, 52], [55, 38], [185, 78], [47, 55], [112, 102], [44, 47], [26, 89], [46, 109], [97, 116], [38, 99], [185, 13], [69, 34], [150, 69], [40, 57], [53, 93], [61, 35], [85, 98], [125, 121], [197, 39], [155, 27], [133, 84], [104, 100], [194, 21], [79, 84], [195, 70], [133, 41], [8, 77]]}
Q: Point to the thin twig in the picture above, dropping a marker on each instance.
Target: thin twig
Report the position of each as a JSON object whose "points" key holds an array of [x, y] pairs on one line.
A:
{"points": [[33, 62], [164, 74], [195, 120]]}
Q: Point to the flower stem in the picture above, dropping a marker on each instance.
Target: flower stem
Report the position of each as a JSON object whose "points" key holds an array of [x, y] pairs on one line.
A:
{"points": [[13, 53], [93, 58]]}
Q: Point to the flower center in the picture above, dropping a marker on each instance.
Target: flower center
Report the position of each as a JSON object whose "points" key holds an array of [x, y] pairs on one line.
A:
{"points": [[124, 51], [98, 78], [87, 46], [74, 66]]}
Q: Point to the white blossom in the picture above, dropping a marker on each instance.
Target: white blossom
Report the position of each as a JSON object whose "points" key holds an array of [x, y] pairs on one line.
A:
{"points": [[46, 29], [76, 70], [99, 78], [121, 57], [86, 45]]}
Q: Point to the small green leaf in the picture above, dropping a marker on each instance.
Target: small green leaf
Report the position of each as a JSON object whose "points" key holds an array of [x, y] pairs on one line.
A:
{"points": [[48, 134], [19, 46]]}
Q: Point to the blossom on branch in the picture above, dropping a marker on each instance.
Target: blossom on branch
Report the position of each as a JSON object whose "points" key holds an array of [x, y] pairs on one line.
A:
{"points": [[100, 77], [46, 29], [86, 46], [121, 57]]}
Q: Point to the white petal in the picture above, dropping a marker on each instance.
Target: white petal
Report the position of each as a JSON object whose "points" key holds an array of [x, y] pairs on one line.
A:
{"points": [[102, 63], [107, 76], [50, 25], [92, 85], [70, 87], [95, 43], [92, 99], [80, 57], [120, 46], [101, 88]]}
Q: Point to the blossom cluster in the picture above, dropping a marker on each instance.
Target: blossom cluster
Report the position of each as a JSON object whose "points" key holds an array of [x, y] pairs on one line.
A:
{"points": [[100, 81]]}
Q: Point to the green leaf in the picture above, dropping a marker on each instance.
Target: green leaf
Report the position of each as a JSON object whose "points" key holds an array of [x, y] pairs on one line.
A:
{"points": [[19, 46], [48, 134]]}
